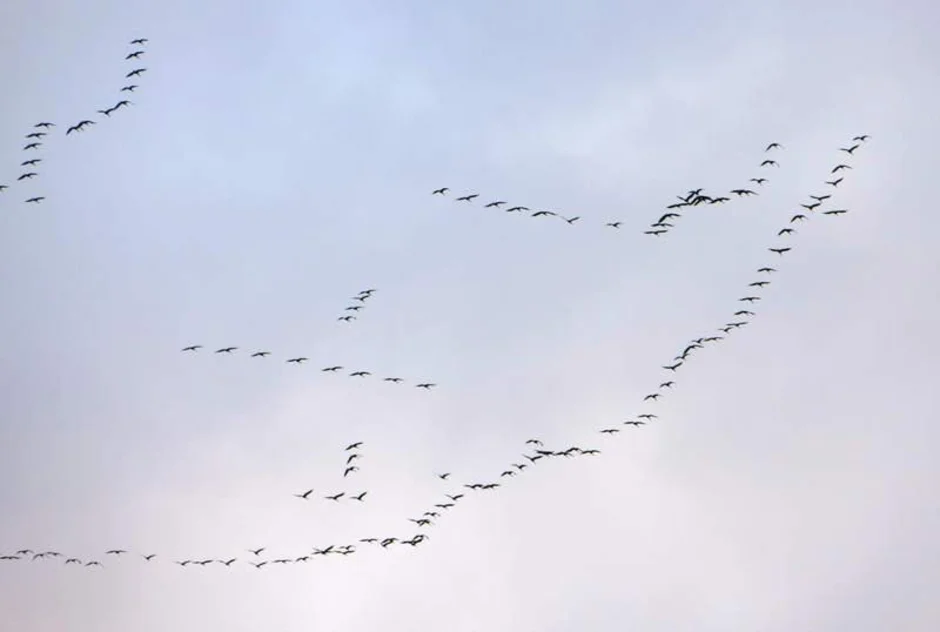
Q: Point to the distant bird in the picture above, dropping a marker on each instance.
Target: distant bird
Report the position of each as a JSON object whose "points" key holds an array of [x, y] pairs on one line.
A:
{"points": [[634, 423], [226, 349], [773, 146], [656, 232], [571, 220], [779, 251], [468, 198], [349, 470], [443, 476], [614, 224], [758, 284], [517, 209], [261, 354], [743, 312], [298, 360], [305, 495], [652, 396], [31, 162], [149, 557], [115, 552], [862, 138], [426, 385], [799, 217], [749, 299], [849, 150], [44, 124], [672, 367], [35, 200], [135, 73], [36, 135], [767, 270], [769, 163], [610, 430], [838, 211], [740, 192], [759, 180], [134, 55], [191, 348], [129, 88], [834, 183], [392, 379], [32, 146], [353, 446], [533, 442], [495, 204], [27, 176], [359, 497], [139, 41], [332, 369], [359, 373], [666, 384], [820, 198], [440, 191], [838, 168], [347, 318], [785, 231], [811, 207], [335, 497], [256, 551]]}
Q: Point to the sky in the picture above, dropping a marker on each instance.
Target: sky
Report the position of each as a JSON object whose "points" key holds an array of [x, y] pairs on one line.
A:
{"points": [[274, 162]]}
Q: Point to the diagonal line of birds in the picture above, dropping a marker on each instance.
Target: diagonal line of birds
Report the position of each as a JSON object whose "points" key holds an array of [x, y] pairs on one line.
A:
{"points": [[535, 450], [35, 139]]}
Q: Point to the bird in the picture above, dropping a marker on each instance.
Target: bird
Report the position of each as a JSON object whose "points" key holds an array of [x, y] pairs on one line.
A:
{"points": [[106, 112], [440, 191], [359, 497], [672, 367], [27, 176], [543, 213], [838, 211], [135, 73], [353, 457], [495, 204], [129, 88], [426, 385], [773, 145], [44, 124], [656, 232], [834, 183], [134, 55], [305, 495], [226, 349], [139, 41], [332, 369], [571, 220], [443, 476], [115, 552], [359, 373], [35, 200], [468, 198], [261, 354], [31, 146], [740, 192], [349, 470], [354, 446], [256, 551], [347, 318], [36, 135], [785, 231], [799, 217], [614, 224], [610, 430], [849, 150], [759, 180], [392, 379], [30, 162], [335, 497], [862, 138], [667, 384], [149, 557], [767, 270], [759, 283], [838, 168], [779, 251], [298, 360], [652, 396], [749, 299], [769, 163], [191, 348]]}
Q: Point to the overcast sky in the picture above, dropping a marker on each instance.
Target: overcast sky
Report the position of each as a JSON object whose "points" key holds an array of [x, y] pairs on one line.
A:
{"points": [[276, 161]]}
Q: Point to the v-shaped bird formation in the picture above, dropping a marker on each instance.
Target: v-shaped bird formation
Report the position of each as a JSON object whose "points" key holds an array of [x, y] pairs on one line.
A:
{"points": [[353, 456], [36, 138]]}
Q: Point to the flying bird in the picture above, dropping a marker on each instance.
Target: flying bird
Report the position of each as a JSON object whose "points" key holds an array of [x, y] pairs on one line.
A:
{"points": [[134, 55], [139, 41], [468, 198], [354, 446], [838, 168], [135, 73], [35, 200], [769, 163], [495, 204], [440, 191], [849, 150], [261, 354], [31, 146], [779, 251], [305, 495], [834, 183], [226, 349], [191, 348], [426, 385], [298, 360]]}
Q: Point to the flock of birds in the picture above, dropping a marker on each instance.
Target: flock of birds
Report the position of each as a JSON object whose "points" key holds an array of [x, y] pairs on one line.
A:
{"points": [[361, 297], [35, 138], [533, 450]]}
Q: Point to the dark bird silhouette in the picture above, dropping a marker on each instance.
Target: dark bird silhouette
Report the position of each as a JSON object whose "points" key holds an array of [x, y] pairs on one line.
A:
{"points": [[759, 180], [759, 283], [32, 146], [468, 198], [495, 204], [749, 299], [191, 348], [347, 318], [354, 446], [256, 551], [543, 213], [426, 385], [820, 198], [305, 495], [115, 552], [44, 124], [838, 168], [517, 209], [149, 557], [359, 497], [767, 270], [743, 312], [443, 476], [672, 367], [769, 163], [861, 138], [27, 176], [139, 41], [610, 430], [785, 231], [799, 217], [36, 135], [31, 162], [107, 112], [572, 220], [440, 191], [392, 379], [359, 373], [779, 251], [298, 360], [226, 349], [652, 396], [773, 146], [135, 73], [121, 104], [134, 55], [740, 192], [35, 200], [838, 211], [335, 497], [834, 183], [332, 369], [614, 224], [349, 470], [849, 150], [657, 232], [129, 88], [261, 354], [667, 384]]}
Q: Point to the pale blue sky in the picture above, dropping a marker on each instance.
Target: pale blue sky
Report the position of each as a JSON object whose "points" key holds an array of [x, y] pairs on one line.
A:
{"points": [[277, 161]]}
